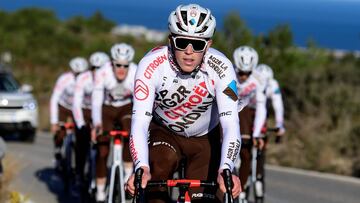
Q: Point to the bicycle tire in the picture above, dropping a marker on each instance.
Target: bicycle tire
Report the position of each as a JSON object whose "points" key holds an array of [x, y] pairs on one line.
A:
{"points": [[67, 162], [117, 187]]}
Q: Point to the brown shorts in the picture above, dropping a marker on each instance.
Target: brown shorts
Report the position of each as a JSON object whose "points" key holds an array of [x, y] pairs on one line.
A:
{"points": [[65, 115], [202, 154], [116, 115], [87, 116], [246, 117]]}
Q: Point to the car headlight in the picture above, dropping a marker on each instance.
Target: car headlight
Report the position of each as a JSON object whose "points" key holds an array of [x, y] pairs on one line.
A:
{"points": [[30, 105]]}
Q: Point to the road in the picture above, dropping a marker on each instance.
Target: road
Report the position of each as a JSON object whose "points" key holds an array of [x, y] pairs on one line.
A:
{"points": [[37, 179]]}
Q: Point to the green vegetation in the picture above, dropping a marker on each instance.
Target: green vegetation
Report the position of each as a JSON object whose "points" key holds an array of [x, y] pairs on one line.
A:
{"points": [[321, 92]]}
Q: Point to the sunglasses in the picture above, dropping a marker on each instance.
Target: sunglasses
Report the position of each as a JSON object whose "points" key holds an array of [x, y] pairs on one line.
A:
{"points": [[242, 73], [181, 43], [121, 65]]}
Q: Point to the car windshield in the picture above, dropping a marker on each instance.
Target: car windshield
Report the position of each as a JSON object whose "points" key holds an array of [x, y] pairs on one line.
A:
{"points": [[8, 83]]}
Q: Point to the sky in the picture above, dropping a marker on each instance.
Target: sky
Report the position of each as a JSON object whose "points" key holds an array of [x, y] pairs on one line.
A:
{"points": [[334, 23]]}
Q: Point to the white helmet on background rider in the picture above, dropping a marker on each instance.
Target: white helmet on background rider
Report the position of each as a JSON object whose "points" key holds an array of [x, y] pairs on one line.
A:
{"points": [[245, 58], [122, 52], [78, 64], [98, 59], [192, 20], [264, 71]]}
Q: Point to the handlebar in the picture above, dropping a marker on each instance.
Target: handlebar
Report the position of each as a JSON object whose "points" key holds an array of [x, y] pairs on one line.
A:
{"points": [[182, 182], [273, 130], [228, 185], [122, 133], [67, 125], [139, 191], [187, 183]]}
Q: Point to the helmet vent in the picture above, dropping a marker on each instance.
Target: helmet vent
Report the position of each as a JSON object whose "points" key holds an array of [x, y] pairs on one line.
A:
{"points": [[180, 28], [201, 19], [184, 17], [203, 30]]}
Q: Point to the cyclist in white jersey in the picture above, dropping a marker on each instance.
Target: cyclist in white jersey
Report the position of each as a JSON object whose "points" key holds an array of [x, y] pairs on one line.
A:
{"points": [[252, 107], [62, 100], [273, 93], [182, 91], [111, 107], [82, 110]]}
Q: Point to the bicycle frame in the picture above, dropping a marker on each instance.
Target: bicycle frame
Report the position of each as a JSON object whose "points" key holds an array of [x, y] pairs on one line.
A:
{"points": [[117, 165]]}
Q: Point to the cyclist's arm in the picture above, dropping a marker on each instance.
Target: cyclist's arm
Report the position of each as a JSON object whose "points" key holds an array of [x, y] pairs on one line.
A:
{"points": [[227, 102], [278, 105], [60, 86], [97, 97], [78, 100], [260, 112], [144, 94]]}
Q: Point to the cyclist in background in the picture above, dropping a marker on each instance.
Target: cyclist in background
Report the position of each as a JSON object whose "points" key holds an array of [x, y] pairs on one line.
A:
{"points": [[181, 93], [61, 103], [82, 111], [252, 108], [111, 104], [272, 91]]}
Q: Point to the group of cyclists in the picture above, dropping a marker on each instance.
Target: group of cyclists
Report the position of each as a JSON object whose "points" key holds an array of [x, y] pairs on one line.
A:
{"points": [[184, 100], [96, 95]]}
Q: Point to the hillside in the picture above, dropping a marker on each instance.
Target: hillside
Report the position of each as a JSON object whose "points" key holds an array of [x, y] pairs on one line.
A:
{"points": [[321, 92]]}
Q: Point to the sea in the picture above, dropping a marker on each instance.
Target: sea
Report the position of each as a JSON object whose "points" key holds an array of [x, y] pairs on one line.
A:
{"points": [[331, 24]]}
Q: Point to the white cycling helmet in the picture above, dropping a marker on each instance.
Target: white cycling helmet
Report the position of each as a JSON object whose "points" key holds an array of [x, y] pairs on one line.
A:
{"points": [[192, 20], [245, 58], [122, 51], [98, 59], [265, 71], [78, 64]]}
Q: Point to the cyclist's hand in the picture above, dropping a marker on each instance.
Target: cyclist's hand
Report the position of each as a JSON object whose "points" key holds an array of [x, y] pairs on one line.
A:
{"points": [[97, 130], [130, 186], [259, 143], [281, 131], [54, 128], [236, 187]]}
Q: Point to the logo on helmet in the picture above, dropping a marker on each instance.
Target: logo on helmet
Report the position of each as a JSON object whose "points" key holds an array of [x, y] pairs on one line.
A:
{"points": [[192, 21], [193, 13]]}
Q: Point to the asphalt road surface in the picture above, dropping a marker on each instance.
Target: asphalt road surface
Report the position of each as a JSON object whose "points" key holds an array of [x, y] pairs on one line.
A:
{"points": [[36, 178]]}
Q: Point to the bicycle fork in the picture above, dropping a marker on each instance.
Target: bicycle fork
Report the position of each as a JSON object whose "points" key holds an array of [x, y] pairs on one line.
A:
{"points": [[117, 166]]}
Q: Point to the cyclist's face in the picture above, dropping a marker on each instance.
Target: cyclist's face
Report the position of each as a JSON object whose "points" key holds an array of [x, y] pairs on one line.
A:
{"points": [[187, 58], [121, 69], [243, 76]]}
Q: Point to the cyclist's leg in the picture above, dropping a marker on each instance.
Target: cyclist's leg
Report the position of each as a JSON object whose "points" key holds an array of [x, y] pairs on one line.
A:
{"points": [[82, 144], [59, 136], [203, 159], [103, 147], [164, 156], [260, 170], [246, 121], [125, 121]]}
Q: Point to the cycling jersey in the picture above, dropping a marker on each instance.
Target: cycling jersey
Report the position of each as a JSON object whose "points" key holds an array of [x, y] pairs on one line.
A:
{"points": [[273, 92], [109, 91], [189, 105], [251, 93], [82, 96], [62, 95]]}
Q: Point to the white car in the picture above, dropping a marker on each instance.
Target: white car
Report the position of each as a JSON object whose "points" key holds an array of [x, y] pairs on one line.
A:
{"points": [[18, 107]]}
